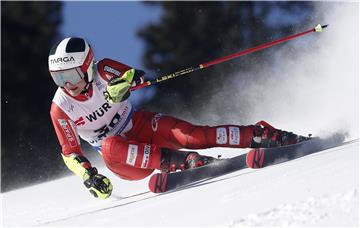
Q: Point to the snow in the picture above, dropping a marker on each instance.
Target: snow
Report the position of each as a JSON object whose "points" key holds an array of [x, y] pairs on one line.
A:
{"points": [[321, 90], [321, 189]]}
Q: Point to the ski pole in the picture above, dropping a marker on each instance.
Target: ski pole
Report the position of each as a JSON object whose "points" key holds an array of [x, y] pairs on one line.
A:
{"points": [[188, 70]]}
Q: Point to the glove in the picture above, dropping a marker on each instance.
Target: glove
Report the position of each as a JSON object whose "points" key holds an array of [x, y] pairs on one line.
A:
{"points": [[118, 89], [98, 185]]}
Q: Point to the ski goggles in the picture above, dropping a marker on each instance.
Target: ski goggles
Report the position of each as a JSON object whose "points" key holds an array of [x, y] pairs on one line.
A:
{"points": [[73, 76]]}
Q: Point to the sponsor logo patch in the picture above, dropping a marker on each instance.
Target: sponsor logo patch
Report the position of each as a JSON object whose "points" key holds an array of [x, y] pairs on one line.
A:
{"points": [[71, 108], [68, 132], [112, 70], [221, 136], [155, 121], [80, 121], [132, 154], [234, 136], [146, 157], [62, 60], [99, 112]]}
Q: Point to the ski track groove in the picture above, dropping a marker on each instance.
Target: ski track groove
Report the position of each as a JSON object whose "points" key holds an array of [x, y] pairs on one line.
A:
{"points": [[119, 198], [197, 184]]}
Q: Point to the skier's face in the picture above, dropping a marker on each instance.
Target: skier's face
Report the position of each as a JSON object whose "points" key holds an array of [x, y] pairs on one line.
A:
{"points": [[75, 89]]}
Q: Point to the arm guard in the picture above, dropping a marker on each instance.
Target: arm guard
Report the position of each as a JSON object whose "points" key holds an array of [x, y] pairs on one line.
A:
{"points": [[109, 69], [79, 165]]}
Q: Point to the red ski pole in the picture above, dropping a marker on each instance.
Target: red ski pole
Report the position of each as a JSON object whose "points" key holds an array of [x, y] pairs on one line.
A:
{"points": [[318, 28]]}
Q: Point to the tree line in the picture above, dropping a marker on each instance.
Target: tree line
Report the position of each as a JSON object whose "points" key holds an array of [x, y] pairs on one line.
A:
{"points": [[188, 33]]}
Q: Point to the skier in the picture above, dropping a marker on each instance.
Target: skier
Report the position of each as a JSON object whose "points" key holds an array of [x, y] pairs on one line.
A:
{"points": [[92, 102]]}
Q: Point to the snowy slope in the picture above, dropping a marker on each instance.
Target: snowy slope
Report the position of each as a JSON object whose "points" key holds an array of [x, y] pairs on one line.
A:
{"points": [[319, 189]]}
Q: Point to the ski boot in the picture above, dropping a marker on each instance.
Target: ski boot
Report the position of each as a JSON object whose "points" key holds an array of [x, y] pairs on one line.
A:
{"points": [[172, 160], [193, 160], [266, 136]]}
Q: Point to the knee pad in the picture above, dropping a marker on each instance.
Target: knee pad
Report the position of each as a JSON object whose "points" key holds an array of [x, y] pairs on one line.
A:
{"points": [[129, 159]]}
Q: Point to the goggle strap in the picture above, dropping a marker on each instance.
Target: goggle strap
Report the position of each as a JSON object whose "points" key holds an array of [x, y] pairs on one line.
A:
{"points": [[81, 74]]}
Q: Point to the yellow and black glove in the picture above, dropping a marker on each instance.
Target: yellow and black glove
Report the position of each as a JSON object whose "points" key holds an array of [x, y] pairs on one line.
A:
{"points": [[98, 185], [118, 89]]}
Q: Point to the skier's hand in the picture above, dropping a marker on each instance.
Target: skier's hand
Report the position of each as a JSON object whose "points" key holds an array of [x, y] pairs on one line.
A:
{"points": [[118, 89], [98, 185]]}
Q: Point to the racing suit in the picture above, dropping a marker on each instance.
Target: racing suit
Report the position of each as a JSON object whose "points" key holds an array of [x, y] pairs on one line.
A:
{"points": [[130, 141]]}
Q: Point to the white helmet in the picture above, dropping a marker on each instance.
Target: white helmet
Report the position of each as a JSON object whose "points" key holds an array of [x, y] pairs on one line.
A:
{"points": [[71, 60]]}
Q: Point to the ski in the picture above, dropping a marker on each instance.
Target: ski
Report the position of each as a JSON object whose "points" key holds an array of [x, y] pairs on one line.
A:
{"points": [[262, 157], [255, 158], [164, 182]]}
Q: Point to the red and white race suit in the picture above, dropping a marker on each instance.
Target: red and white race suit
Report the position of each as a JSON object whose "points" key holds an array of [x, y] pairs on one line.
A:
{"points": [[130, 141]]}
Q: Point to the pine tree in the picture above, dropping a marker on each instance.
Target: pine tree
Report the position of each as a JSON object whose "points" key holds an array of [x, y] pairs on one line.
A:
{"points": [[27, 141], [190, 33]]}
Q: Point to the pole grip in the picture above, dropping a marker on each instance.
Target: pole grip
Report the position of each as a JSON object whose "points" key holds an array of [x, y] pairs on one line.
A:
{"points": [[140, 86]]}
